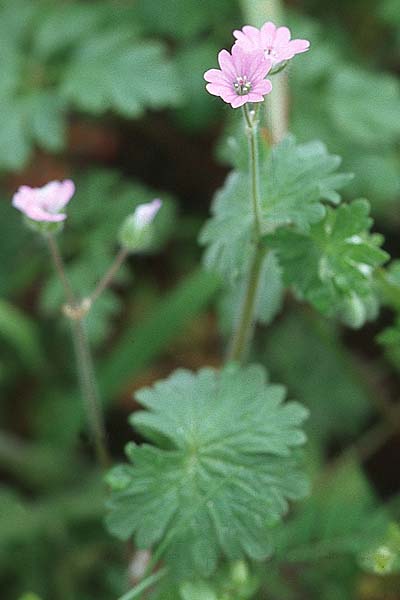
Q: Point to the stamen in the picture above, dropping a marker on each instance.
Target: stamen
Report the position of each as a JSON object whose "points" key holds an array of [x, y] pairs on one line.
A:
{"points": [[242, 86]]}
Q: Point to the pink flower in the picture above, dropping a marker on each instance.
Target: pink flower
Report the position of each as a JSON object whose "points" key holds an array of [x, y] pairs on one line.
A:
{"points": [[241, 78], [274, 41], [45, 203], [145, 213]]}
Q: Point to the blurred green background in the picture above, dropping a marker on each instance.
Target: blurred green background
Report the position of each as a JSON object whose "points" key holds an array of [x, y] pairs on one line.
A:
{"points": [[111, 94]]}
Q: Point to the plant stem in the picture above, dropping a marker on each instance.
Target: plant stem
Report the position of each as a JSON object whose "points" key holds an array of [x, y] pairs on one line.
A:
{"points": [[242, 334], [89, 391], [141, 587], [59, 266], [109, 275], [83, 360], [251, 121]]}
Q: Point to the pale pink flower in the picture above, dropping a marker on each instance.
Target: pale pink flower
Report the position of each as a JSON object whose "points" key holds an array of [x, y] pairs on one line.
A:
{"points": [[145, 213], [45, 203], [274, 41], [241, 78]]}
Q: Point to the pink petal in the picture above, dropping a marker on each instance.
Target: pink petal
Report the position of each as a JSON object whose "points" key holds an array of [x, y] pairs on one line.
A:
{"points": [[38, 214], [239, 101], [239, 60], [248, 38], [298, 46], [253, 97], [263, 87], [56, 194], [268, 31], [226, 63], [44, 204], [251, 32], [282, 36], [66, 191], [259, 67], [216, 89], [213, 75]]}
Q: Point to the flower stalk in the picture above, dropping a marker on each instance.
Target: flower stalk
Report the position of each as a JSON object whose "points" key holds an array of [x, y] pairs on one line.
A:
{"points": [[109, 276], [242, 334], [76, 314]]}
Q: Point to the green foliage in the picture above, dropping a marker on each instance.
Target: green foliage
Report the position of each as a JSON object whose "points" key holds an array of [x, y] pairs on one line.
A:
{"points": [[295, 179], [182, 19], [335, 392], [22, 334], [59, 540], [55, 59], [328, 525], [222, 473], [112, 72], [143, 342], [333, 266], [331, 532], [355, 110]]}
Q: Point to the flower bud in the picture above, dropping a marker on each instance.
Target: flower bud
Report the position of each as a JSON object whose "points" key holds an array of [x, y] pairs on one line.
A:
{"points": [[137, 231]]}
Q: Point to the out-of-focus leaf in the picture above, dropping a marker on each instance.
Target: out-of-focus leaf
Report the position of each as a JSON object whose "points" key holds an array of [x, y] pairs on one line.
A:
{"points": [[354, 110], [22, 334], [182, 19], [142, 343], [305, 353], [340, 518], [366, 107], [113, 72]]}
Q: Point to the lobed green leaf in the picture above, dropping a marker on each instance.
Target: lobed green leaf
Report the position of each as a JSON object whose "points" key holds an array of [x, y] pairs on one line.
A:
{"points": [[222, 473]]}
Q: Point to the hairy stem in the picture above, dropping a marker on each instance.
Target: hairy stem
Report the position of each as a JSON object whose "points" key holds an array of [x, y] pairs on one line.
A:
{"points": [[242, 335], [89, 391], [83, 360], [141, 587], [256, 13], [243, 332], [60, 269], [109, 275], [251, 120]]}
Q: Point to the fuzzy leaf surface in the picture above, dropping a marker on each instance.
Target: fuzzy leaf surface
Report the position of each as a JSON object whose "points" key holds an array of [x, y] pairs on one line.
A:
{"points": [[222, 473], [295, 180]]}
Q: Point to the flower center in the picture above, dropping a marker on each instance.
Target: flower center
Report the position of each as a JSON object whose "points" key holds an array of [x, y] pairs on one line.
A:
{"points": [[270, 52], [242, 85]]}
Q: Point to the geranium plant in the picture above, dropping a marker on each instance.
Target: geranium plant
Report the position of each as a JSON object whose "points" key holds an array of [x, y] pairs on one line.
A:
{"points": [[208, 494]]}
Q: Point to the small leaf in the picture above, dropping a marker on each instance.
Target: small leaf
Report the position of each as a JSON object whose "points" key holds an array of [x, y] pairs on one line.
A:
{"points": [[332, 267]]}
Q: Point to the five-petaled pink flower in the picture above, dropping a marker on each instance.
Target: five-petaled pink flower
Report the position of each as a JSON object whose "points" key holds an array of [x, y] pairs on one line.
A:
{"points": [[274, 41], [241, 78], [145, 213], [45, 203]]}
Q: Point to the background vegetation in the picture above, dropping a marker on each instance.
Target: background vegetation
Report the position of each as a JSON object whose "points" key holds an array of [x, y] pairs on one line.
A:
{"points": [[111, 93]]}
